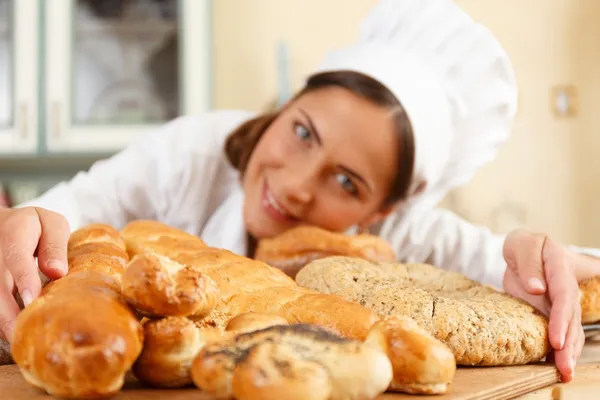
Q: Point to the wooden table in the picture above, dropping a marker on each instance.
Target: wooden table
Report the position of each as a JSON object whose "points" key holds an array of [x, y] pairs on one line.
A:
{"points": [[585, 385]]}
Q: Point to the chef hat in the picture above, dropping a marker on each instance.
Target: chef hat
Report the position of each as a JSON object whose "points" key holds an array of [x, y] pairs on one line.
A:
{"points": [[452, 77]]}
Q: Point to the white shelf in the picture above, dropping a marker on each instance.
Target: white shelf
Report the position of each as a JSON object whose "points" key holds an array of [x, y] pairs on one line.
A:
{"points": [[122, 28]]}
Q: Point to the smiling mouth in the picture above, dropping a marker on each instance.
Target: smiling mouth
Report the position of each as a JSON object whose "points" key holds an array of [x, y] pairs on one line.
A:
{"points": [[273, 208]]}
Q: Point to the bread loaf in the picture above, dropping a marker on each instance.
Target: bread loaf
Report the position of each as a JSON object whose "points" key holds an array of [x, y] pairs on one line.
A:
{"points": [[480, 325], [590, 300], [247, 285], [298, 361], [79, 338], [298, 246]]}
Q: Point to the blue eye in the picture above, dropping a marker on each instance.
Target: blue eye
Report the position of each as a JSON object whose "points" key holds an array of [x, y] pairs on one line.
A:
{"points": [[301, 132], [346, 183]]}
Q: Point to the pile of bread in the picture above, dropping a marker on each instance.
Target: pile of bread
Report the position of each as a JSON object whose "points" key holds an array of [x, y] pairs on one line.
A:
{"points": [[160, 303]]}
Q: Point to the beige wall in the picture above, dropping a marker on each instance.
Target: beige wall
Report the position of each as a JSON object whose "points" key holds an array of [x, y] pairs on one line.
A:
{"points": [[546, 178]]}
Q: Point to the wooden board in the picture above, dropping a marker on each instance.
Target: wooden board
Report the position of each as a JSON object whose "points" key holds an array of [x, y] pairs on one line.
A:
{"points": [[498, 383], [494, 383]]}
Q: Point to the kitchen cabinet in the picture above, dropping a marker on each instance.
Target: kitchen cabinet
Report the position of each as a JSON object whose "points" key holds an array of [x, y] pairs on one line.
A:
{"points": [[19, 59], [90, 76]]}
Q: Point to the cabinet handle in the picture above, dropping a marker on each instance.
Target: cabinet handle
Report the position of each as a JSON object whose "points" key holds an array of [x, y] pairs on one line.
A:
{"points": [[56, 120], [23, 121]]}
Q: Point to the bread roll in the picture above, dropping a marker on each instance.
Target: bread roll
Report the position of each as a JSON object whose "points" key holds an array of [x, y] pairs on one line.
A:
{"points": [[158, 286], [298, 246], [291, 362], [590, 300], [79, 338], [423, 364], [247, 285], [480, 325], [171, 344]]}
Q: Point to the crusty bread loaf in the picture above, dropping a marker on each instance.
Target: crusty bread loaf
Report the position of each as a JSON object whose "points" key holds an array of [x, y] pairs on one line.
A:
{"points": [[481, 325], [590, 300], [79, 339], [247, 285], [298, 246], [298, 361]]}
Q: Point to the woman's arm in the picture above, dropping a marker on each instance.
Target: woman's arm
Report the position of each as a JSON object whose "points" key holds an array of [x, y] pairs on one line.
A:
{"points": [[585, 261], [143, 181], [444, 239], [441, 238]]}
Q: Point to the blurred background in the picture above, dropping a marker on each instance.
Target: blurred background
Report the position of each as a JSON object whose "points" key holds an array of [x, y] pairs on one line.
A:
{"points": [[79, 79]]}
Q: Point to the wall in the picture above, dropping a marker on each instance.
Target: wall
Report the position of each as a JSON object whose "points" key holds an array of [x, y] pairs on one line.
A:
{"points": [[546, 177], [548, 168], [247, 33]]}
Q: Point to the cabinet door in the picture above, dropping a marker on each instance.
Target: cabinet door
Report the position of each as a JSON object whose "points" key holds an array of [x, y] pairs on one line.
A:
{"points": [[116, 69], [18, 76]]}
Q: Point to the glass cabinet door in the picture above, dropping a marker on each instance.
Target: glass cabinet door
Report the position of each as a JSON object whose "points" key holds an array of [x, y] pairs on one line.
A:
{"points": [[18, 76], [117, 68]]}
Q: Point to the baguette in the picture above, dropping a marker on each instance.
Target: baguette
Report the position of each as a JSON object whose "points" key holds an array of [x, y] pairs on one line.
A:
{"points": [[79, 338], [251, 286], [298, 246]]}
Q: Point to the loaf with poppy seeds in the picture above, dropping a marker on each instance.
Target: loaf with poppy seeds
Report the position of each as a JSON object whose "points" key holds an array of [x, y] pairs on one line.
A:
{"points": [[247, 285], [79, 338]]}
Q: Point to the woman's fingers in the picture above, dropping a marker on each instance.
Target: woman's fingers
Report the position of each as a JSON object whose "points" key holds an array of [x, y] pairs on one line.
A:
{"points": [[523, 254], [52, 247], [563, 291], [566, 357]]}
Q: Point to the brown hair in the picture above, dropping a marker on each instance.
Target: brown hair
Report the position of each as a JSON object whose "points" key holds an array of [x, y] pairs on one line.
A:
{"points": [[241, 142]]}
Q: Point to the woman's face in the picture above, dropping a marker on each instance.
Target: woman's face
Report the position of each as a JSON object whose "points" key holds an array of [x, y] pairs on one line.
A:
{"points": [[329, 159]]}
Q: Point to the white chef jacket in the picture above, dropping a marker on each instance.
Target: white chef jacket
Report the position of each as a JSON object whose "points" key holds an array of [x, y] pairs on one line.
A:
{"points": [[179, 175]]}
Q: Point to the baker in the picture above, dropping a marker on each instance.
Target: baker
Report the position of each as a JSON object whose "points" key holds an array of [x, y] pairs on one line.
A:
{"points": [[378, 135]]}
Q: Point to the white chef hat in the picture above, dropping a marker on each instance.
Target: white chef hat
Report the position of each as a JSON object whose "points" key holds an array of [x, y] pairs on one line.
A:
{"points": [[452, 77]]}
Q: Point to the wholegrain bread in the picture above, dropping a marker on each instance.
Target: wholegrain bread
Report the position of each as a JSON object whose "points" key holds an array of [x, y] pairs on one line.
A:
{"points": [[479, 324]]}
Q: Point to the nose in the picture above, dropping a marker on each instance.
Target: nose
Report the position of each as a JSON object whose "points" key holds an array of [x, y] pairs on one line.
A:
{"points": [[299, 185]]}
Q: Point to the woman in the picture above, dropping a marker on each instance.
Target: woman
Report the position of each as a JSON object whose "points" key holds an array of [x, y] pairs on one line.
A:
{"points": [[378, 135]]}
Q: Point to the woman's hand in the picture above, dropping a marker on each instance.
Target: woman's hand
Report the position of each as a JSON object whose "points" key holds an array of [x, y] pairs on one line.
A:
{"points": [[541, 272], [24, 234]]}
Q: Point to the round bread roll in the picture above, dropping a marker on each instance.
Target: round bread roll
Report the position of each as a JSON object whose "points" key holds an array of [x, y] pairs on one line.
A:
{"points": [[480, 325]]}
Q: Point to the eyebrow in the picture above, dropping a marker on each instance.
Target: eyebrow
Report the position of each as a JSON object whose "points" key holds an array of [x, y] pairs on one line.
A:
{"points": [[315, 132], [312, 126]]}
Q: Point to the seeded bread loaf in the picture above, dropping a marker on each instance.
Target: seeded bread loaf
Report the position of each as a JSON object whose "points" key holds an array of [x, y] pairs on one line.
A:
{"points": [[480, 325]]}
